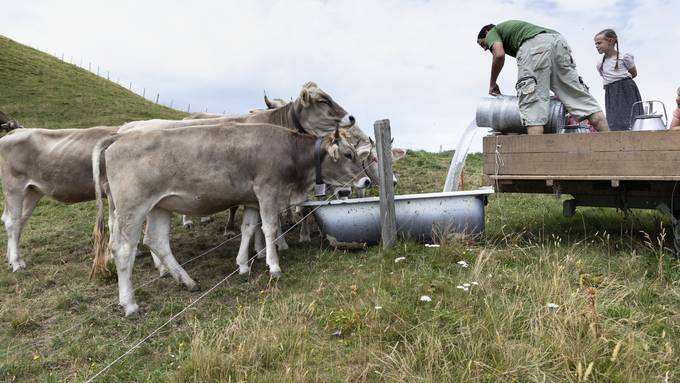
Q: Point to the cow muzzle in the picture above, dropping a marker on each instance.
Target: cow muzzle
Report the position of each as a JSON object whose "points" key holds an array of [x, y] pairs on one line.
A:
{"points": [[347, 122], [362, 183]]}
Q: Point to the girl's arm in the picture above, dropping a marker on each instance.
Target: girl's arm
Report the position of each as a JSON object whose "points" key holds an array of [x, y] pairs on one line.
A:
{"points": [[629, 63], [633, 71], [675, 124]]}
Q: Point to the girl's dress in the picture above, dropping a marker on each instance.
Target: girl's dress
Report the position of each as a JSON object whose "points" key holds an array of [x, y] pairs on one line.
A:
{"points": [[620, 91]]}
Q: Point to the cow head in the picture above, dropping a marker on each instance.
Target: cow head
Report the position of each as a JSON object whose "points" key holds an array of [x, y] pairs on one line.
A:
{"points": [[10, 125], [318, 113], [365, 144], [343, 163]]}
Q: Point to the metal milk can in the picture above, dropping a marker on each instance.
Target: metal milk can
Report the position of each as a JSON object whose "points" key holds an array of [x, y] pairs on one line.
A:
{"points": [[501, 113], [648, 119]]}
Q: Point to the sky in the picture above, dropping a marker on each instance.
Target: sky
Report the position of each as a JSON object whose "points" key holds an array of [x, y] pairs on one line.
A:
{"points": [[414, 62]]}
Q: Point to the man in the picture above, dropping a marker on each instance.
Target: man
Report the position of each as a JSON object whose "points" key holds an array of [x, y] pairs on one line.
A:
{"points": [[675, 122], [544, 63]]}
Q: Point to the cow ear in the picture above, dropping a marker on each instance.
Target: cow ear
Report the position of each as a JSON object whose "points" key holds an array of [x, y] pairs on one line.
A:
{"points": [[305, 97], [364, 151], [397, 153], [336, 135]]}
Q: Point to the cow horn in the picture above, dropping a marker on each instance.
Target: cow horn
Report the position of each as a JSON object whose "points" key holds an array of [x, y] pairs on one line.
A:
{"points": [[268, 102], [370, 139]]}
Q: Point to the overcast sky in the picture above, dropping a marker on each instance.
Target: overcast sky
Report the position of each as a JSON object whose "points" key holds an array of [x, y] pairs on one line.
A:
{"points": [[414, 62]]}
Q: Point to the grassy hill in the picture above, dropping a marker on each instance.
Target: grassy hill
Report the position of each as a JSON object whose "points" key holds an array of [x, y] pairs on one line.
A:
{"points": [[337, 316], [41, 91]]}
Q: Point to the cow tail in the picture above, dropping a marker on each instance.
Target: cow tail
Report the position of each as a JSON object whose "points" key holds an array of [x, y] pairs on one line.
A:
{"points": [[99, 235]]}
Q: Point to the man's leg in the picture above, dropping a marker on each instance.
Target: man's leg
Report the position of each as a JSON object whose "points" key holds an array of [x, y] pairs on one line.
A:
{"points": [[533, 82], [573, 93]]}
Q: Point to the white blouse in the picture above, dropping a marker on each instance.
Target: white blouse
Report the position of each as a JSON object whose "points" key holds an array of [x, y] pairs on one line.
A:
{"points": [[609, 72]]}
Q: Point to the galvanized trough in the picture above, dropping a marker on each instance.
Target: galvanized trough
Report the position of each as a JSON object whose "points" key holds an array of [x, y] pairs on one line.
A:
{"points": [[419, 216]]}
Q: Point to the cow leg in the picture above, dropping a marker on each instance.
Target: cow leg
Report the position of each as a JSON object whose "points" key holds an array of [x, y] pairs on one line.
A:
{"points": [[206, 219], [157, 238], [187, 222], [230, 230], [281, 243], [249, 227], [124, 239], [305, 231], [259, 241], [18, 208], [270, 218]]}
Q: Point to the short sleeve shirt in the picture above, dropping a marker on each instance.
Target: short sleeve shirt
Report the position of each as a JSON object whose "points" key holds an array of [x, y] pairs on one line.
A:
{"points": [[513, 33], [611, 72]]}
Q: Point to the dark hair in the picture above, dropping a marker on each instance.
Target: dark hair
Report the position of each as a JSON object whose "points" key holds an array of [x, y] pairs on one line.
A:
{"points": [[610, 34], [485, 29]]}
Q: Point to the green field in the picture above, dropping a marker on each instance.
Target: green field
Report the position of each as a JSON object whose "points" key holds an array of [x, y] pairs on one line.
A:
{"points": [[336, 315]]}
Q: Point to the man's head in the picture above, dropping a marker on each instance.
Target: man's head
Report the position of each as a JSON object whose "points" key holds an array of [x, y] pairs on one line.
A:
{"points": [[481, 37], [677, 98]]}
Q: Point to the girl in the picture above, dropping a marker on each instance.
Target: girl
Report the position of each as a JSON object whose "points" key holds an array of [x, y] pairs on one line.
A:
{"points": [[675, 122], [617, 73]]}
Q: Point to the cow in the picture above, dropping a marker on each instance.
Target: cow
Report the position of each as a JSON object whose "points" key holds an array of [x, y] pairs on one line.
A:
{"points": [[202, 170], [7, 124], [44, 162]]}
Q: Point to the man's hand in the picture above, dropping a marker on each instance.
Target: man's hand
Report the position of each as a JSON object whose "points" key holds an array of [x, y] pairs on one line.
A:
{"points": [[494, 90]]}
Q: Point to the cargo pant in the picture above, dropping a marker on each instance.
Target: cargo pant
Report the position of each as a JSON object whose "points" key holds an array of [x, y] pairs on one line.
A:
{"points": [[544, 63]]}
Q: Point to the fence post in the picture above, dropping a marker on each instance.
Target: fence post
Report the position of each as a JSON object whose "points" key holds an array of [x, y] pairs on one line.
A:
{"points": [[157, 95], [97, 70], [130, 88], [144, 93], [89, 67], [189, 108], [388, 218], [171, 100]]}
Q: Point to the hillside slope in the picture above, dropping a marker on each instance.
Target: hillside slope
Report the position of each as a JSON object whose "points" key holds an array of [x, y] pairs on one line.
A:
{"points": [[41, 91]]}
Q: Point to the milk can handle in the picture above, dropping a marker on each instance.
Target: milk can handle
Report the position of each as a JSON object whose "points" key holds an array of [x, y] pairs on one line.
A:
{"points": [[632, 108]]}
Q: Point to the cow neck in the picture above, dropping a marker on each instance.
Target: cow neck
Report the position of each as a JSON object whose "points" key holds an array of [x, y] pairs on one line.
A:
{"points": [[293, 115], [319, 185]]}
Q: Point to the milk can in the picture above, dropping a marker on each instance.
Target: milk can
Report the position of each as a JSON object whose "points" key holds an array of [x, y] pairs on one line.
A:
{"points": [[648, 120], [501, 113]]}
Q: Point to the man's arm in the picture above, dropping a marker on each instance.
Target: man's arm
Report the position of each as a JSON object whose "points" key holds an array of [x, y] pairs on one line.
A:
{"points": [[675, 123], [496, 65]]}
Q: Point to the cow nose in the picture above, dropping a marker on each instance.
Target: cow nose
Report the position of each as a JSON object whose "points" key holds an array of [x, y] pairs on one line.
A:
{"points": [[367, 183], [352, 120]]}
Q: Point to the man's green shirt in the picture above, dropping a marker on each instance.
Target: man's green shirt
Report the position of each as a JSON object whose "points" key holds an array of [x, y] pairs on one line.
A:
{"points": [[512, 34]]}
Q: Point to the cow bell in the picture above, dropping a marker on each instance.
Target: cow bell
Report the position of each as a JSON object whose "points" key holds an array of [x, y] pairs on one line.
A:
{"points": [[319, 190]]}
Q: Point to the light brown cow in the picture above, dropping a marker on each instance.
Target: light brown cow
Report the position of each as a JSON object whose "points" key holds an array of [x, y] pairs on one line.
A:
{"points": [[44, 162], [205, 169]]}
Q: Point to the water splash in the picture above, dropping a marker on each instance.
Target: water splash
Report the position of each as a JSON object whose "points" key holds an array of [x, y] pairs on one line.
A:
{"points": [[453, 178]]}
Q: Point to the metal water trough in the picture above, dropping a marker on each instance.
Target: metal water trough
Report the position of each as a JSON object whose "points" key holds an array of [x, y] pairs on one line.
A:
{"points": [[418, 216]]}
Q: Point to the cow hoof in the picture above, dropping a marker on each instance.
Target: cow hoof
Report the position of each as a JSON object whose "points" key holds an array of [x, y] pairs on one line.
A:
{"points": [[18, 266], [206, 219], [188, 225], [132, 311], [305, 238], [191, 285], [243, 270], [282, 246], [276, 274]]}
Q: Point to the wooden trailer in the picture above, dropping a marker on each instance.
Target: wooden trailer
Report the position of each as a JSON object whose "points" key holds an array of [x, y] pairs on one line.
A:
{"points": [[615, 169]]}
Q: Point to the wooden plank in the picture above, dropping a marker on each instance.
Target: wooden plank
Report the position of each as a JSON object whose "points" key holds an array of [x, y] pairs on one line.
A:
{"points": [[388, 217], [583, 143], [491, 177], [615, 164]]}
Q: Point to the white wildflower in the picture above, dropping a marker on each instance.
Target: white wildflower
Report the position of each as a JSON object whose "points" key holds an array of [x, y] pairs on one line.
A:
{"points": [[399, 259], [378, 307], [460, 287], [425, 298], [462, 264], [465, 289], [466, 285], [475, 283], [431, 245], [552, 306]]}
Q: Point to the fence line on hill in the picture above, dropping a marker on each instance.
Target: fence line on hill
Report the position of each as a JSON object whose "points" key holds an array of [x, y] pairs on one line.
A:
{"points": [[100, 73]]}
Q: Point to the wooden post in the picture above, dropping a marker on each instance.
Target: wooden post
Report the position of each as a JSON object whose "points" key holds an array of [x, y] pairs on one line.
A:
{"points": [[157, 95], [388, 218], [144, 93]]}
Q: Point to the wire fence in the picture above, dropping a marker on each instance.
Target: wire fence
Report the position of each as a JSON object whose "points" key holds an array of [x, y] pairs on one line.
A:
{"points": [[141, 90]]}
